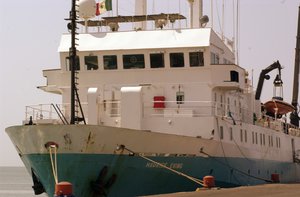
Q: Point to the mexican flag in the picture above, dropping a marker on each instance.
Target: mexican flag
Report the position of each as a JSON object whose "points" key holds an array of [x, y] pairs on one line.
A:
{"points": [[103, 6]]}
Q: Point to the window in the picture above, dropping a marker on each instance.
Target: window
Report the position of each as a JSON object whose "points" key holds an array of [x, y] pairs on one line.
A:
{"points": [[91, 62], [180, 97], [255, 138], [260, 139], [176, 60], [157, 60], [110, 62], [133, 61], [221, 98], [264, 139], [214, 58], [252, 137], [221, 133], [77, 63], [241, 135], [278, 142], [245, 135], [234, 76], [231, 133], [196, 59], [272, 141], [228, 103]]}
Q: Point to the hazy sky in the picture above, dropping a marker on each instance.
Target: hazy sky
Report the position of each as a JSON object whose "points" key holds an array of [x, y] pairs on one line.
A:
{"points": [[30, 33]]}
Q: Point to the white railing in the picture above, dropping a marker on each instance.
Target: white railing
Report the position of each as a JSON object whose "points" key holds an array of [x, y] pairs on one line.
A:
{"points": [[48, 113], [198, 109], [112, 108], [59, 114], [40, 111]]}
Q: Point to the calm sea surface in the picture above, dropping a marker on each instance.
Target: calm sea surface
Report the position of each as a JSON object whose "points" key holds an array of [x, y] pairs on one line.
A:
{"points": [[16, 182]]}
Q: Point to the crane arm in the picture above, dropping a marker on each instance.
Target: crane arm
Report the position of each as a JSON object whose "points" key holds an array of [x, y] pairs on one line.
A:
{"points": [[263, 75]]}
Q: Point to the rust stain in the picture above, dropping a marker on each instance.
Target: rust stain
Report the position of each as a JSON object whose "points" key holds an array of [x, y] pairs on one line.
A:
{"points": [[68, 140], [90, 140]]}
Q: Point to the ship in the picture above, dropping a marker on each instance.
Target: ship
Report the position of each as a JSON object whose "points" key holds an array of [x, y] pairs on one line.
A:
{"points": [[154, 111]]}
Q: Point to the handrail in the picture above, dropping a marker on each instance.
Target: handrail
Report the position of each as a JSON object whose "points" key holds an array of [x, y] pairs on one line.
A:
{"points": [[60, 114]]}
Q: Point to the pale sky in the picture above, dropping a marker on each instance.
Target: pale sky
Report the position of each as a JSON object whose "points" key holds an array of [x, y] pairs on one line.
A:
{"points": [[30, 33]]}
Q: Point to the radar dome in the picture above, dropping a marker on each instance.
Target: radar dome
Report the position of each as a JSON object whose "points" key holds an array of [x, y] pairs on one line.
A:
{"points": [[86, 9]]}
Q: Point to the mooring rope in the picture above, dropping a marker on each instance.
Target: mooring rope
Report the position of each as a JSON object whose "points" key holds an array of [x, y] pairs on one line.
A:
{"points": [[240, 171], [198, 181], [53, 164]]}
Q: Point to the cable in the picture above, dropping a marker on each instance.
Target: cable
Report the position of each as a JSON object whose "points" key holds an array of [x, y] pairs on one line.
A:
{"points": [[198, 181]]}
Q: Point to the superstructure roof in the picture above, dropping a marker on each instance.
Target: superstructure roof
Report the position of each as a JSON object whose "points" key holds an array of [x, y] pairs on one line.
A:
{"points": [[131, 40]]}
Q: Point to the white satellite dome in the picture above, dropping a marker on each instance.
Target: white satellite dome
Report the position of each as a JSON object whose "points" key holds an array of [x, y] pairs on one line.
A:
{"points": [[86, 9]]}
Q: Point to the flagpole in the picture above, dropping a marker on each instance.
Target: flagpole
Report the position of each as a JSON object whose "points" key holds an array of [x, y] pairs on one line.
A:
{"points": [[117, 9]]}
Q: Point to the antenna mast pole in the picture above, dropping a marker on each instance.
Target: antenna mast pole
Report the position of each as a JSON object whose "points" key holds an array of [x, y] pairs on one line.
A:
{"points": [[294, 115], [72, 56]]}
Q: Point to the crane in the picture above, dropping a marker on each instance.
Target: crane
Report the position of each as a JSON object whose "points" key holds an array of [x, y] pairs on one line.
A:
{"points": [[263, 75]]}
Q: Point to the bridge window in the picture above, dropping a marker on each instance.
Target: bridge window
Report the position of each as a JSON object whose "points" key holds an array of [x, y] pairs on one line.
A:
{"points": [[91, 62], [176, 60], [110, 62], [133, 61], [196, 59], [157, 60]]}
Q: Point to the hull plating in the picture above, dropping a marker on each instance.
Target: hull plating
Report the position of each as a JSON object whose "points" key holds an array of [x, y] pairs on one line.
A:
{"points": [[83, 151], [136, 176]]}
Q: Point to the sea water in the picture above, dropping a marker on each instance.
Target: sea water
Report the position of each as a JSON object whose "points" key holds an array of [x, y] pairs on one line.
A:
{"points": [[16, 182]]}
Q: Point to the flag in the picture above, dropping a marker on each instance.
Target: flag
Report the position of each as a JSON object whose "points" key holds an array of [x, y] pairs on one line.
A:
{"points": [[103, 6], [108, 5]]}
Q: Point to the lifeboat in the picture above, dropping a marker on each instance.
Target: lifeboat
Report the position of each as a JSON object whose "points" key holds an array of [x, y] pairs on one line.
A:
{"points": [[278, 107]]}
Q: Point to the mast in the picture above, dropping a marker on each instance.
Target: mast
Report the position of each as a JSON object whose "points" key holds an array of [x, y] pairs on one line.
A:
{"points": [[141, 9], [196, 12], [74, 64], [294, 118], [72, 56]]}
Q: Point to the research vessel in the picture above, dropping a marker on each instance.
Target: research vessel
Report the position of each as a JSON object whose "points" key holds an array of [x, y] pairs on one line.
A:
{"points": [[152, 111]]}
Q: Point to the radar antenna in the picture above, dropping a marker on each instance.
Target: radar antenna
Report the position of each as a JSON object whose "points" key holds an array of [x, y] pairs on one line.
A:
{"points": [[74, 65]]}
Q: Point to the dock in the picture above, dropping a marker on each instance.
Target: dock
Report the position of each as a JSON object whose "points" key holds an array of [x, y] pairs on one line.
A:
{"points": [[274, 190]]}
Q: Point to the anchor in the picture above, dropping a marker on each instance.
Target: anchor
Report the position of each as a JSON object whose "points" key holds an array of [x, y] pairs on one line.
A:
{"points": [[100, 186], [37, 187]]}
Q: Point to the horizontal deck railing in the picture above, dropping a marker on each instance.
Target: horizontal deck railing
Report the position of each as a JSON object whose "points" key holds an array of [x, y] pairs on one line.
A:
{"points": [[46, 113]]}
